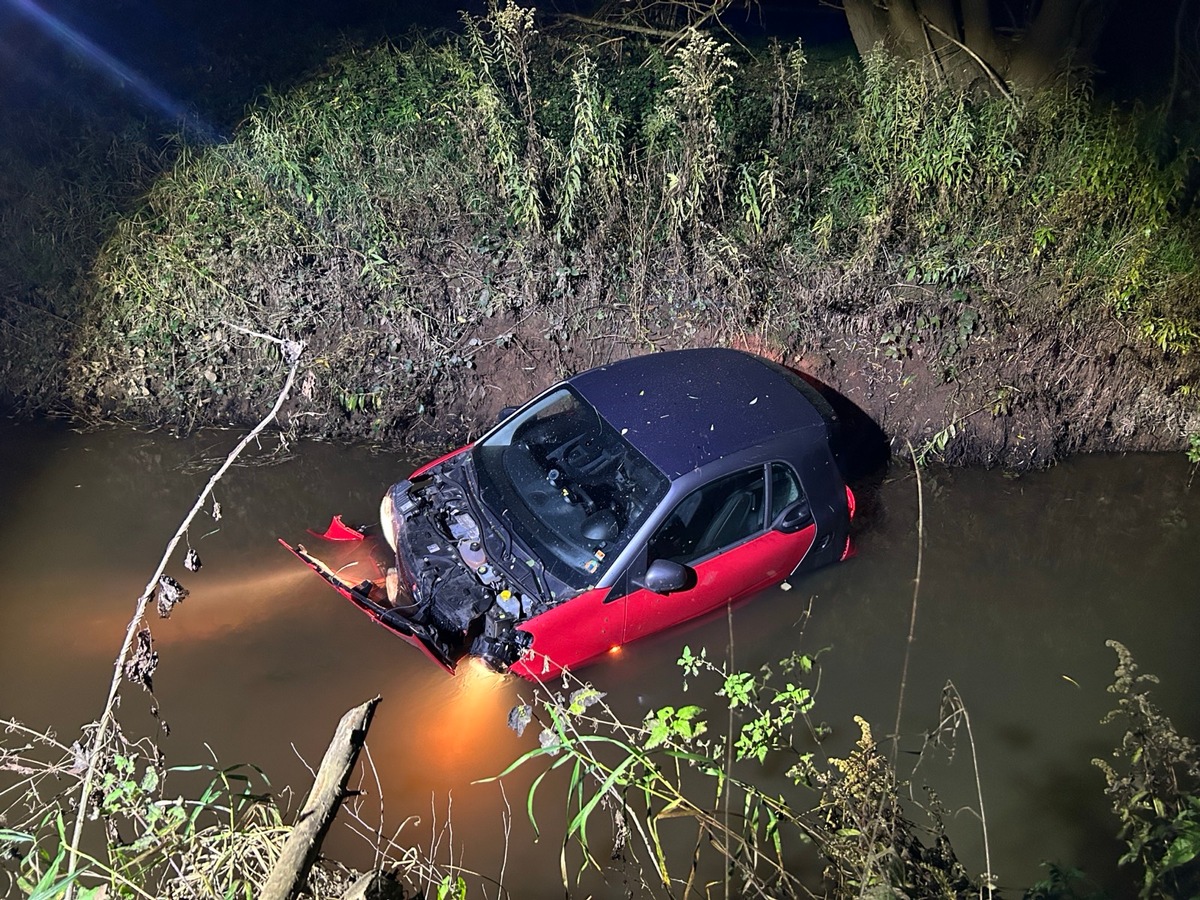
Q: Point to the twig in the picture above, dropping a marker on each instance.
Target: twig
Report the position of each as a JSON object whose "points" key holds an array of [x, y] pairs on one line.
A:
{"points": [[912, 627], [292, 351], [912, 619], [988, 70], [987, 852], [37, 309], [953, 711], [617, 26], [506, 820], [728, 743]]}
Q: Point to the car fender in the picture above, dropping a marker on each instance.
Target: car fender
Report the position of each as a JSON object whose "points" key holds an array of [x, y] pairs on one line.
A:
{"points": [[575, 631]]}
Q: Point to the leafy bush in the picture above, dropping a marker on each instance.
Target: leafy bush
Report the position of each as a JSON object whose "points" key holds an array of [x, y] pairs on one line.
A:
{"points": [[220, 841], [679, 768], [1154, 788], [675, 769]]}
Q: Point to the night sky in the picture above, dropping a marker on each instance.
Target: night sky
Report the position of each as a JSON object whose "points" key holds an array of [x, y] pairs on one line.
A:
{"points": [[100, 61]]}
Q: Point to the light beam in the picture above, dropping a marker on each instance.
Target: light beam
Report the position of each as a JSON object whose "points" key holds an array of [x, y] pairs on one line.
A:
{"points": [[116, 71]]}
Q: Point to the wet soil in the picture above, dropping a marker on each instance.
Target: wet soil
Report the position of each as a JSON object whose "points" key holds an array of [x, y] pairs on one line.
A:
{"points": [[1004, 375], [1017, 393], [1023, 397]]}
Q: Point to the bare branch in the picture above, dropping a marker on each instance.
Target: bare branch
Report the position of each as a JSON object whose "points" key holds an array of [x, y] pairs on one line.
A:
{"points": [[606, 24], [996, 80], [292, 351]]}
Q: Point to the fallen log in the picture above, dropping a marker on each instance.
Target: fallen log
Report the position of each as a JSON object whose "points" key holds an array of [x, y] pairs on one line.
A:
{"points": [[300, 851]]}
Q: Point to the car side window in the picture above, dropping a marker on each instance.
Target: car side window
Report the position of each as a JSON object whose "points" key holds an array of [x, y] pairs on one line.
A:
{"points": [[718, 515], [785, 488]]}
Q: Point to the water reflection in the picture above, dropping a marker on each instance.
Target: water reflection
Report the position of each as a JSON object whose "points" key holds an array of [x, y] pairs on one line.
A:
{"points": [[1024, 579]]}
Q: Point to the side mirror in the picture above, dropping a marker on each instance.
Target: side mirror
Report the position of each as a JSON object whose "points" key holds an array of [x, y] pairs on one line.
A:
{"points": [[795, 516], [505, 413], [664, 576]]}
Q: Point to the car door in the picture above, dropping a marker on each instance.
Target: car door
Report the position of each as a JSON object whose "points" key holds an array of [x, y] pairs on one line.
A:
{"points": [[738, 534]]}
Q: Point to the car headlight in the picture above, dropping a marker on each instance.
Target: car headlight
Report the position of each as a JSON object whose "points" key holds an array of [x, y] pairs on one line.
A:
{"points": [[387, 520]]}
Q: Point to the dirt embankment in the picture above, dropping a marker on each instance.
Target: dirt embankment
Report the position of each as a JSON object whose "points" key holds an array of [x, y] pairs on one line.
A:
{"points": [[1015, 393], [1019, 399], [968, 377]]}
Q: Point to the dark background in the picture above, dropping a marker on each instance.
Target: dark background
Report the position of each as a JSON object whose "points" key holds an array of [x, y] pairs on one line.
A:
{"points": [[87, 64]]}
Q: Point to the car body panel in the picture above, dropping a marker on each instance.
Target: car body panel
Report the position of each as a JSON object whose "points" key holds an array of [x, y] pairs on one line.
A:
{"points": [[420, 473], [581, 629], [587, 627], [722, 579], [365, 596], [689, 408]]}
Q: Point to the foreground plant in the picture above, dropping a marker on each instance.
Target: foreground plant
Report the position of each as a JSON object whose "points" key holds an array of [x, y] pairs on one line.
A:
{"points": [[1154, 787], [220, 840], [674, 769]]}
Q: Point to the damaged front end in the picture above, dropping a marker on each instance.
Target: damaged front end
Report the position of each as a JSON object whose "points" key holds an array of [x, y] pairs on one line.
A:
{"points": [[371, 596], [442, 589]]}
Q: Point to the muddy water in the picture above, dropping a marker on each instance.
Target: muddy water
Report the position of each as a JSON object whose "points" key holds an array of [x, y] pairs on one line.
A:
{"points": [[1023, 580]]}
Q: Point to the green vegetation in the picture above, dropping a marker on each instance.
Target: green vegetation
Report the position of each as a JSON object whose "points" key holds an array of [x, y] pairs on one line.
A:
{"points": [[413, 211], [838, 825], [191, 831], [672, 766], [57, 201], [854, 820], [219, 843], [1155, 788]]}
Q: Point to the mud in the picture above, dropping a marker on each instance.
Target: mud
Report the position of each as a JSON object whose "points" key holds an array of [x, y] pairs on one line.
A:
{"points": [[1022, 393], [1005, 375]]}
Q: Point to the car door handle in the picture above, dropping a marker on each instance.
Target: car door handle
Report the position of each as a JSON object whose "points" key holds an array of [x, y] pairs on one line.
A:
{"points": [[794, 517]]}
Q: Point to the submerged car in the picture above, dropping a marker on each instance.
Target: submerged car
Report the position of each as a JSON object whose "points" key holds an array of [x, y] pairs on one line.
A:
{"points": [[619, 503]]}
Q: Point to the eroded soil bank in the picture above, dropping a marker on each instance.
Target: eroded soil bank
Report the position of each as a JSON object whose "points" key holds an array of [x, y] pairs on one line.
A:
{"points": [[938, 370], [935, 373]]}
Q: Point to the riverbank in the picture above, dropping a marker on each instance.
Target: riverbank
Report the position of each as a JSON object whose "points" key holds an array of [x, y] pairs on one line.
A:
{"points": [[1023, 393], [452, 226], [1018, 393]]}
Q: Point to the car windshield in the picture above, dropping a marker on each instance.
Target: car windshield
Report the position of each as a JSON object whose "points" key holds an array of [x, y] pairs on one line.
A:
{"points": [[568, 484]]}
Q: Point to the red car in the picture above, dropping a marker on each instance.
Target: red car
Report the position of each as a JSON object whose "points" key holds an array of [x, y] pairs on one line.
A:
{"points": [[619, 503]]}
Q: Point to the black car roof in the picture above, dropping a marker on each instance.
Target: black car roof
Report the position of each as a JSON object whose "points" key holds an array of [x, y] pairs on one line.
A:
{"points": [[686, 408]]}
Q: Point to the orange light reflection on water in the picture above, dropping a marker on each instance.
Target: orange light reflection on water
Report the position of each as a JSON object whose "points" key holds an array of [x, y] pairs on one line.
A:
{"points": [[217, 603], [460, 717]]}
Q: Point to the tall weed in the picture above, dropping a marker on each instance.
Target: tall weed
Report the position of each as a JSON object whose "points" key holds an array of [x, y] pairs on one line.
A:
{"points": [[1154, 787]]}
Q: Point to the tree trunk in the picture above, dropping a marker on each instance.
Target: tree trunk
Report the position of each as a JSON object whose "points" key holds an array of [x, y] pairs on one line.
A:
{"points": [[979, 33], [868, 24], [959, 38], [922, 30], [1045, 45]]}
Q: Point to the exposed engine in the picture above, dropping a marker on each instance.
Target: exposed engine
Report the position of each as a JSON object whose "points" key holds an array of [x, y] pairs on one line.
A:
{"points": [[453, 586]]}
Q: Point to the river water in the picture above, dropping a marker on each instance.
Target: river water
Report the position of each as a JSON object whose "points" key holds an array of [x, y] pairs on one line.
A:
{"points": [[1023, 580]]}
